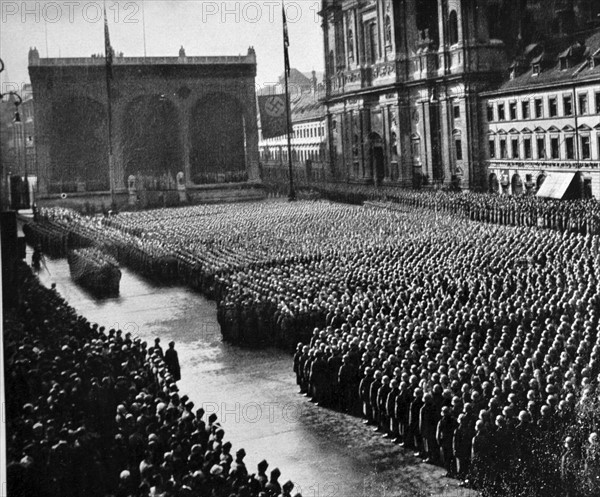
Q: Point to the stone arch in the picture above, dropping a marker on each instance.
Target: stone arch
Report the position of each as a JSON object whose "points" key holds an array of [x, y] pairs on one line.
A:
{"points": [[151, 141], [516, 184], [427, 19], [78, 145], [217, 131], [494, 184]]}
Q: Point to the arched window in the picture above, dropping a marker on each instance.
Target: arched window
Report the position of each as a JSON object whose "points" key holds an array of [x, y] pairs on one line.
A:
{"points": [[453, 28], [517, 185], [427, 19], [458, 148], [494, 184]]}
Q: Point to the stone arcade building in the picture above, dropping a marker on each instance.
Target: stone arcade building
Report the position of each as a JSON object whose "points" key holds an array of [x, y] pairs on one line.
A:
{"points": [[186, 123]]}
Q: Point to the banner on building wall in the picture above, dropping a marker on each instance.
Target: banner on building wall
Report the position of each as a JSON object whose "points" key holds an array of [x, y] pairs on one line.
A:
{"points": [[272, 115]]}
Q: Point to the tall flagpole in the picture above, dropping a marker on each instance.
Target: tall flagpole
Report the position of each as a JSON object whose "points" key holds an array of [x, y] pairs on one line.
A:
{"points": [[286, 72], [108, 67], [144, 26]]}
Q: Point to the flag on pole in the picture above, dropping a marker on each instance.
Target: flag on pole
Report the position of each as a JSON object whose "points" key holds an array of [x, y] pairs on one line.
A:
{"points": [[108, 56], [273, 117], [108, 51], [286, 40]]}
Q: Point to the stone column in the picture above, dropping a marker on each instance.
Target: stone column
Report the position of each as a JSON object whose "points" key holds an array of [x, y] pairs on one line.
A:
{"points": [[446, 139], [387, 141], [426, 142], [365, 127], [347, 142], [404, 112], [42, 123], [251, 128], [118, 145], [185, 116]]}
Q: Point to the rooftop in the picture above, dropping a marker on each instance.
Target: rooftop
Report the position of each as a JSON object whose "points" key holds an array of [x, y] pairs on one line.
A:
{"points": [[580, 62], [120, 60]]}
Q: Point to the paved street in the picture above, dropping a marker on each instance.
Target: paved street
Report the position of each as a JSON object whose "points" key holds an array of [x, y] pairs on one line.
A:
{"points": [[327, 454]]}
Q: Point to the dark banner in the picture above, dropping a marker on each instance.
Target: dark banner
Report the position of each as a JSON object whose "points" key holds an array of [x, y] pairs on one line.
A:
{"points": [[272, 115]]}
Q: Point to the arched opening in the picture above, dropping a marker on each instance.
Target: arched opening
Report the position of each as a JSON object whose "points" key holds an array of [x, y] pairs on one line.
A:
{"points": [[517, 185], [218, 152], [416, 159], [78, 146], [152, 149], [453, 28], [427, 19], [494, 184], [540, 180], [377, 156], [504, 183]]}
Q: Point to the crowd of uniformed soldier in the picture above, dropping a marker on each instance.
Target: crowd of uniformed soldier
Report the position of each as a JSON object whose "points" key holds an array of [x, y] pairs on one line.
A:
{"points": [[496, 323], [478, 364], [578, 216], [93, 413], [95, 270]]}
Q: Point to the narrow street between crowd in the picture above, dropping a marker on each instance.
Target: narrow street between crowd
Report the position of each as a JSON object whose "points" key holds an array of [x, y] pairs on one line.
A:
{"points": [[255, 396]]}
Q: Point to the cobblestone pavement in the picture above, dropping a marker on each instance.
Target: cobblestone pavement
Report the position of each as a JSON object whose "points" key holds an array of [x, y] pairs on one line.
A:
{"points": [[326, 453]]}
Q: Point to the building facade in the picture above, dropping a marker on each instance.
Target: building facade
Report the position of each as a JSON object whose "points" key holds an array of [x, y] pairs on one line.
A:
{"points": [[402, 79], [408, 84], [174, 122], [309, 134], [544, 121]]}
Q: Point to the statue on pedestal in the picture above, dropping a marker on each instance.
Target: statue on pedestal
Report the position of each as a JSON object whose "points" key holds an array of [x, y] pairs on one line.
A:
{"points": [[132, 189], [181, 186]]}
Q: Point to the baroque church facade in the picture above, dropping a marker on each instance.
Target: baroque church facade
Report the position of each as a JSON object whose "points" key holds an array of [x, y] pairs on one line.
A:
{"points": [[404, 80]]}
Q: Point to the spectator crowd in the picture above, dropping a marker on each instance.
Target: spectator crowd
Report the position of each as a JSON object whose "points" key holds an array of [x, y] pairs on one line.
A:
{"points": [[95, 412]]}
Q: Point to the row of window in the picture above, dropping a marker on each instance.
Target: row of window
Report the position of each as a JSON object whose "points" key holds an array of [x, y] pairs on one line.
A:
{"points": [[297, 155], [524, 109], [523, 148], [312, 132]]}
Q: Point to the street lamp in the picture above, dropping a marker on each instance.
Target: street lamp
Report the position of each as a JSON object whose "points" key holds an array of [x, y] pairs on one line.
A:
{"points": [[17, 118]]}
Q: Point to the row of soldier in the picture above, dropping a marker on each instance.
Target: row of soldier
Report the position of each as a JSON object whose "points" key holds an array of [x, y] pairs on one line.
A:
{"points": [[510, 345], [580, 216]]}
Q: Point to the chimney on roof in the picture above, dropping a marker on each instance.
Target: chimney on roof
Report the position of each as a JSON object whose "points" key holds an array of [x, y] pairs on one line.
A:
{"points": [[34, 56], [314, 82]]}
